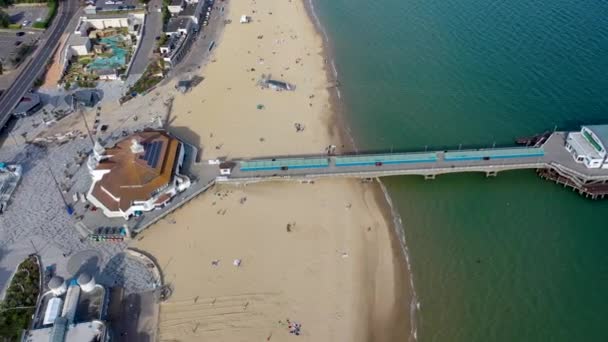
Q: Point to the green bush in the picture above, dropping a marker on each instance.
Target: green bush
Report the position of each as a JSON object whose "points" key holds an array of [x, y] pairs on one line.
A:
{"points": [[5, 19], [14, 26], [23, 291], [53, 6]]}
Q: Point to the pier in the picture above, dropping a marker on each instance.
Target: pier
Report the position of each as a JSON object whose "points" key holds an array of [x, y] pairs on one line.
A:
{"points": [[550, 158]]}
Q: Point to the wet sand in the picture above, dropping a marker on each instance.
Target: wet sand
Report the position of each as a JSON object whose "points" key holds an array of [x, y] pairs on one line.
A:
{"points": [[324, 254]]}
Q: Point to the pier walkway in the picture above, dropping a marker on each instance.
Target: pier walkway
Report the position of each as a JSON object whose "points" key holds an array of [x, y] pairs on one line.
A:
{"points": [[551, 155]]}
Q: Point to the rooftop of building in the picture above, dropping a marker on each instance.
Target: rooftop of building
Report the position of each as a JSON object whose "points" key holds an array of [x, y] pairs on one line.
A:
{"points": [[77, 39], [103, 72], [135, 176], [582, 145], [27, 103], [601, 132], [188, 10], [177, 23], [87, 97], [62, 331]]}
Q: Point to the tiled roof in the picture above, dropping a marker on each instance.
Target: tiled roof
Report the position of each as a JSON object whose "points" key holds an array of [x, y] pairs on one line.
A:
{"points": [[133, 177]]}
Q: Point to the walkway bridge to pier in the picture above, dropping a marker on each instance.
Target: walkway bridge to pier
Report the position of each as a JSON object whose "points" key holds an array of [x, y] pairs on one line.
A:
{"points": [[551, 159]]}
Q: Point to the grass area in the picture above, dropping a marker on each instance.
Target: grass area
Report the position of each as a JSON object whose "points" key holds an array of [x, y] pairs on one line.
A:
{"points": [[19, 304], [53, 6], [165, 11], [151, 77], [6, 3], [162, 41]]}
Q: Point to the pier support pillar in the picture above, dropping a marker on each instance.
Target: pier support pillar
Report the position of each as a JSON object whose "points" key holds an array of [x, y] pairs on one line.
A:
{"points": [[491, 173], [426, 177]]}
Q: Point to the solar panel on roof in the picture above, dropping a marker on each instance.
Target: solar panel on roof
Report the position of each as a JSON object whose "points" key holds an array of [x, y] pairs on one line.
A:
{"points": [[155, 154], [146, 155]]}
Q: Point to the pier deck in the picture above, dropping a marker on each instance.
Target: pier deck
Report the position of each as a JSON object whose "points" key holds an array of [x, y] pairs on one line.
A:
{"points": [[551, 155]]}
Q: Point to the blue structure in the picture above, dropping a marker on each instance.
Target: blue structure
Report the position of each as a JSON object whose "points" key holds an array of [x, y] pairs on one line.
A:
{"points": [[389, 159], [506, 153], [284, 164]]}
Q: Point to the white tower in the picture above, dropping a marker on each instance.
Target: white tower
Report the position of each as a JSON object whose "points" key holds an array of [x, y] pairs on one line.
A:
{"points": [[57, 286], [86, 282]]}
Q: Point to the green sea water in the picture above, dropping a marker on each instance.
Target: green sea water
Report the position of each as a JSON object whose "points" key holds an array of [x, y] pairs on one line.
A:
{"points": [[511, 258]]}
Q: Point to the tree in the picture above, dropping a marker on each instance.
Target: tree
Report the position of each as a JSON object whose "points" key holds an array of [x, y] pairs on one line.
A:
{"points": [[5, 19]]}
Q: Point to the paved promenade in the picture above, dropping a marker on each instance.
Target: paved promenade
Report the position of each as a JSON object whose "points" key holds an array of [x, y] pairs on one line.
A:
{"points": [[36, 222]]}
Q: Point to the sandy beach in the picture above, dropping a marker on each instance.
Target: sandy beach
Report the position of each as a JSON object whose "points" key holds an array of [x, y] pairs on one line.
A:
{"points": [[323, 255]]}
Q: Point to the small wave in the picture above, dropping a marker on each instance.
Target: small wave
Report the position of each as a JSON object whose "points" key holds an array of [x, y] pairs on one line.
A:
{"points": [[398, 226], [313, 12]]}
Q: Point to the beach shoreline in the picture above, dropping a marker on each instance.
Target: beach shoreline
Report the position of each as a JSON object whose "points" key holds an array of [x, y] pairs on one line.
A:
{"points": [[322, 252], [338, 121], [382, 196]]}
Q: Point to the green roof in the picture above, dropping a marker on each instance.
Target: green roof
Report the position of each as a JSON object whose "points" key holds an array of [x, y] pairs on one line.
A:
{"points": [[601, 132]]}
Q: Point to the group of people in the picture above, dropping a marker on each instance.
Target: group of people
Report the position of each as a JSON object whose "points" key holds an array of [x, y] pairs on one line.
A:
{"points": [[294, 328]]}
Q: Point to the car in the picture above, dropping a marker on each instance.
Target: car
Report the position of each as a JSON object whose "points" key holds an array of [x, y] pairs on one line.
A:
{"points": [[157, 38], [17, 43], [378, 163], [20, 33]]}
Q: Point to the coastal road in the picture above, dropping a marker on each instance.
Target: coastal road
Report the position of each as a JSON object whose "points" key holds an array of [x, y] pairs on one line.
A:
{"points": [[36, 64]]}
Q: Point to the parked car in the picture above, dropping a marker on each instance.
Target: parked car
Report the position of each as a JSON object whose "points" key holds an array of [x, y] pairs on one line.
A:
{"points": [[17, 43], [20, 33]]}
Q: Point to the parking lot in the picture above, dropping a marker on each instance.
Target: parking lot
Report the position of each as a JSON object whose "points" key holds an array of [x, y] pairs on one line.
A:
{"points": [[27, 15], [10, 41]]}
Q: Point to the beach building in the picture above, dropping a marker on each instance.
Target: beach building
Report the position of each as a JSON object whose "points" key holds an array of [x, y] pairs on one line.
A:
{"points": [[140, 173], [86, 97], [29, 104], [107, 74], [191, 11], [589, 146], [178, 25], [80, 45], [175, 6], [70, 313], [182, 27]]}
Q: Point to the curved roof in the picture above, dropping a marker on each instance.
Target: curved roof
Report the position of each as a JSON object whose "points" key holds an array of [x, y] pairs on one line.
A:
{"points": [[601, 132], [84, 278], [55, 282]]}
